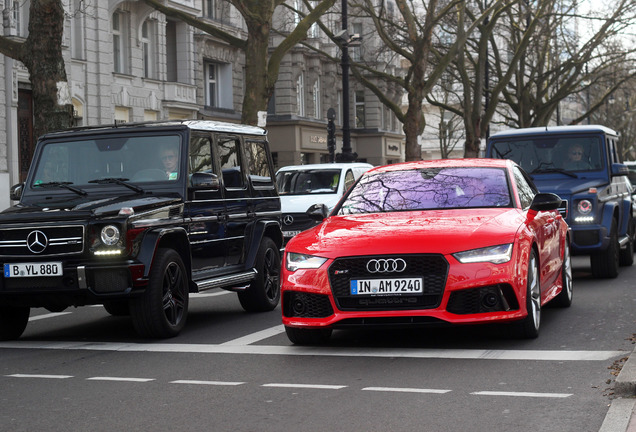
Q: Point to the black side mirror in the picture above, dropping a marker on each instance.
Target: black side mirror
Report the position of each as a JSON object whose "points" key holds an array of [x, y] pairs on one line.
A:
{"points": [[15, 193], [203, 180], [619, 169], [318, 212], [546, 202]]}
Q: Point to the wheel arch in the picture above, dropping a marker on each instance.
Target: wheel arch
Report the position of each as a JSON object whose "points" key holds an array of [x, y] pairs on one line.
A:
{"points": [[174, 238], [262, 229]]}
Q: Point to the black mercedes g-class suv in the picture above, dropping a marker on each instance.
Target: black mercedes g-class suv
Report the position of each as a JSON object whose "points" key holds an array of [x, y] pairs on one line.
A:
{"points": [[137, 216]]}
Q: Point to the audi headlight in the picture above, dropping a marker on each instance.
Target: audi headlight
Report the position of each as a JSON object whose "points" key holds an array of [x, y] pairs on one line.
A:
{"points": [[495, 254], [110, 235], [297, 261]]}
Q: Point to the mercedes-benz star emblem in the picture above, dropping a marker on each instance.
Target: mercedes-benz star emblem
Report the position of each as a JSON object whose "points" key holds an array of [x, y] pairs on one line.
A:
{"points": [[388, 265], [37, 242], [288, 219]]}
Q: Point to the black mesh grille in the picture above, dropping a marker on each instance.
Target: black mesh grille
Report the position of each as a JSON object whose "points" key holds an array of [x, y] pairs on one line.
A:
{"points": [[306, 305], [432, 268], [586, 237], [482, 300], [111, 280], [51, 240]]}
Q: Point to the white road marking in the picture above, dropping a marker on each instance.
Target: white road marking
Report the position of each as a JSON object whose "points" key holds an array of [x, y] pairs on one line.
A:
{"points": [[126, 379], [50, 315], [405, 390], [306, 386], [522, 394], [257, 336], [291, 350], [215, 383], [40, 376]]}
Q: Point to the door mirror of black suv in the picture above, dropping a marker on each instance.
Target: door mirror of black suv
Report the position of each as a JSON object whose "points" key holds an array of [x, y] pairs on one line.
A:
{"points": [[15, 193], [203, 180], [318, 212], [619, 169], [545, 202]]}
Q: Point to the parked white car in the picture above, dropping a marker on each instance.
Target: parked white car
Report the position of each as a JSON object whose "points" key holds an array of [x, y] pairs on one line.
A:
{"points": [[304, 189]]}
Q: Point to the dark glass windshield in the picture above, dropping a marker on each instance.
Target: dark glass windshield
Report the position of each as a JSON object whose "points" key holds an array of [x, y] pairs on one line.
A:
{"points": [[311, 181], [136, 159], [429, 189], [564, 153]]}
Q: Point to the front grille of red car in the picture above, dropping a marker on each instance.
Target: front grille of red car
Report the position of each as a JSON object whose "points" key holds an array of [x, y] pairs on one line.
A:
{"points": [[432, 268], [306, 305]]}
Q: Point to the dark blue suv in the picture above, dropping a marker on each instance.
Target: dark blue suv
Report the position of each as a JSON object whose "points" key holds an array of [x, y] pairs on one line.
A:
{"points": [[581, 164]]}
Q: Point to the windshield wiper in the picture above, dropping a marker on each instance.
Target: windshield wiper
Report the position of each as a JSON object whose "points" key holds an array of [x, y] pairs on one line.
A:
{"points": [[66, 185], [119, 181], [554, 170]]}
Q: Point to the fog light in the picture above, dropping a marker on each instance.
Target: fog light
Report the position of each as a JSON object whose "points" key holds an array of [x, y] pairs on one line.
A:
{"points": [[490, 300], [298, 306]]}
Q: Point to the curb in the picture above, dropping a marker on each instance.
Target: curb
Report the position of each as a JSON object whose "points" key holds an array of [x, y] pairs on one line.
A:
{"points": [[623, 408]]}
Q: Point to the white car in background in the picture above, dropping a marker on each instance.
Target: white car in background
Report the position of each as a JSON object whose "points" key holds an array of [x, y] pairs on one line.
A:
{"points": [[310, 191]]}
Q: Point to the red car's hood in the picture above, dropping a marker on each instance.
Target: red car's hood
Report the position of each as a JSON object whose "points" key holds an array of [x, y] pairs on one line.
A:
{"points": [[436, 231]]}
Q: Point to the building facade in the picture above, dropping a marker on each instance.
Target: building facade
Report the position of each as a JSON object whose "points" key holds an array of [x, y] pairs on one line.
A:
{"points": [[127, 62]]}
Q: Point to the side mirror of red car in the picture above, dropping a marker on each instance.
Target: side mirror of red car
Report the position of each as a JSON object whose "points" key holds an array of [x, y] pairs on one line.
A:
{"points": [[545, 202], [318, 212]]}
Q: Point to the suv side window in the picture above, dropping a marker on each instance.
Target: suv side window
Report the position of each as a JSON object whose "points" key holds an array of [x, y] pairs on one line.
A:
{"points": [[200, 157], [349, 180], [229, 159], [258, 168]]}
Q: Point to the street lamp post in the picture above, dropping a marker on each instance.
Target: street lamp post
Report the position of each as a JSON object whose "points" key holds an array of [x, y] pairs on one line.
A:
{"points": [[345, 41]]}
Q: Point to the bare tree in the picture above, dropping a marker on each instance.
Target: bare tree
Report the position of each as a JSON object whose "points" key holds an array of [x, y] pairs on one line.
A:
{"points": [[261, 64], [41, 54]]}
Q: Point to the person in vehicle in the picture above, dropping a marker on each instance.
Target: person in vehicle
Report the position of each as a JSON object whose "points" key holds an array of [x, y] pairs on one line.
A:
{"points": [[576, 160], [170, 159]]}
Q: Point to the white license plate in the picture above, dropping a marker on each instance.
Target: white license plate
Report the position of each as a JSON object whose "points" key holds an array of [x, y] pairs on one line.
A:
{"points": [[33, 269], [290, 233], [387, 286]]}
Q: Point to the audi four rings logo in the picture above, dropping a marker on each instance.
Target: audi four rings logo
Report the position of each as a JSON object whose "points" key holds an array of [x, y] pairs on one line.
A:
{"points": [[288, 219], [386, 265], [37, 241]]}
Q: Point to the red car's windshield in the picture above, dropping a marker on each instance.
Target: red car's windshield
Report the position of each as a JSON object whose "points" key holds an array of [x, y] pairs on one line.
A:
{"points": [[429, 189]]}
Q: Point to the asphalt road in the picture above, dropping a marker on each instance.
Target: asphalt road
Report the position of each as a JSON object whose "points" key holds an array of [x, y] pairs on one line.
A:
{"points": [[232, 371]]}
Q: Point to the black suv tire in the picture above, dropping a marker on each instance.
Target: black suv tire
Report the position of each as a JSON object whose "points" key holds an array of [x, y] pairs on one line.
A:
{"points": [[13, 321], [263, 294], [162, 310]]}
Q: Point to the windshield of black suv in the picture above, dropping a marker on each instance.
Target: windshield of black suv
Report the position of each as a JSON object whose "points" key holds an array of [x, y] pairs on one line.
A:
{"points": [[429, 189], [311, 181], [108, 160], [557, 153]]}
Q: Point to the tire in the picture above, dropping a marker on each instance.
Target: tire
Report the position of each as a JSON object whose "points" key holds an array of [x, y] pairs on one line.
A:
{"points": [[300, 336], [162, 310], [13, 321], [605, 264], [117, 307], [263, 294], [626, 255], [529, 326], [564, 298]]}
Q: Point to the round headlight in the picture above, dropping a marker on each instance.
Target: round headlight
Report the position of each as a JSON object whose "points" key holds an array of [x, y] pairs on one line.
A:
{"points": [[110, 235], [584, 207]]}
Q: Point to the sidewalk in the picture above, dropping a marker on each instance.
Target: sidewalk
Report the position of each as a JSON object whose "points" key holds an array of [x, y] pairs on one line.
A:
{"points": [[621, 416]]}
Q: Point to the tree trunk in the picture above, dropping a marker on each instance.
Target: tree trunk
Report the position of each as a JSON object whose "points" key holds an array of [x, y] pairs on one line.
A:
{"points": [[259, 86], [42, 56]]}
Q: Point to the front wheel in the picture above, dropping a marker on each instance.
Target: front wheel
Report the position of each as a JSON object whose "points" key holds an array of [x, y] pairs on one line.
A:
{"points": [[13, 321], [605, 264], [263, 294], [529, 327], [162, 310], [564, 298]]}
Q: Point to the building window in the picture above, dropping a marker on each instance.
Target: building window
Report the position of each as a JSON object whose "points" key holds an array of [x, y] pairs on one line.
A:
{"points": [[209, 9], [77, 30], [122, 115], [150, 115], [300, 95], [356, 52], [120, 42], [316, 95], [360, 113], [218, 85], [149, 48]]}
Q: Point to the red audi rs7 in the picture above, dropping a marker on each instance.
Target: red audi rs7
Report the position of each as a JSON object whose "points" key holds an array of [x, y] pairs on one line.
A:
{"points": [[459, 241]]}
